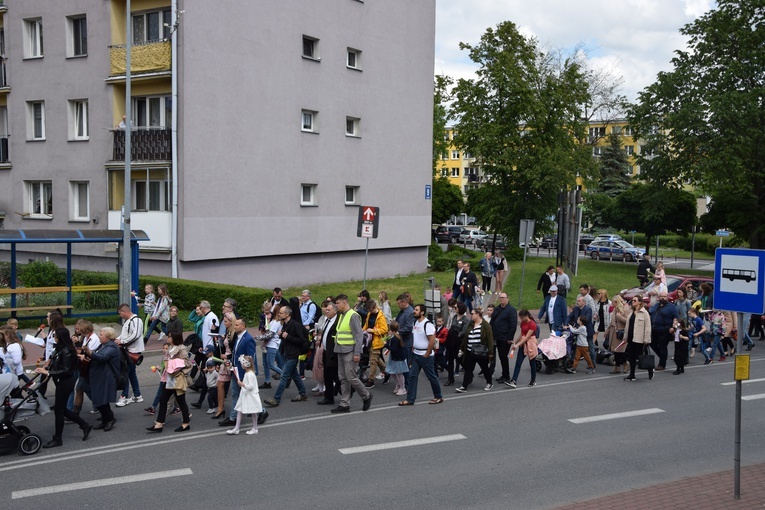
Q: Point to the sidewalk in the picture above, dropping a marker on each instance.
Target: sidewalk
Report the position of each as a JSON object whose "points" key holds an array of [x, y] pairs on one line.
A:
{"points": [[707, 492]]}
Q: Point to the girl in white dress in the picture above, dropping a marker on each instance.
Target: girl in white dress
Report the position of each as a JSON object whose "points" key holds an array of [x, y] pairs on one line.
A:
{"points": [[249, 396]]}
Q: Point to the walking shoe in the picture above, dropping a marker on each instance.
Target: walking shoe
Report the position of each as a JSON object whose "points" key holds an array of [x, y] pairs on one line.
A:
{"points": [[96, 411], [367, 403], [299, 398], [659, 368], [511, 384], [271, 403], [122, 402], [532, 384], [722, 358], [177, 410], [209, 411], [502, 380], [369, 384], [265, 386], [461, 389], [386, 378], [162, 336], [650, 374], [149, 410], [379, 377], [340, 409], [488, 387], [251, 432], [590, 371], [570, 370], [693, 352], [401, 392], [708, 362], [708, 350], [196, 405]]}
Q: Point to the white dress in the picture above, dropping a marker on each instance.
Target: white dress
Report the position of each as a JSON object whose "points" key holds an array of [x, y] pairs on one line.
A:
{"points": [[249, 396]]}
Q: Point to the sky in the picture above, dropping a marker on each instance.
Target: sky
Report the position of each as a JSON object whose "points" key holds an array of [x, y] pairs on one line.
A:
{"points": [[634, 39]]}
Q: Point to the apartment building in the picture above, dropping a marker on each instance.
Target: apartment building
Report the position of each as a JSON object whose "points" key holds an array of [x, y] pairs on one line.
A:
{"points": [[257, 130], [597, 136], [460, 167]]}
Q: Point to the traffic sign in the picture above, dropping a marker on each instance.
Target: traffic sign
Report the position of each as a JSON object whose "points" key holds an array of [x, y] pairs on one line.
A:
{"points": [[428, 192], [369, 219], [740, 280], [722, 233]]}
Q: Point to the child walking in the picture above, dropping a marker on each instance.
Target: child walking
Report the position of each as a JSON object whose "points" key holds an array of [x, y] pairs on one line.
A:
{"points": [[148, 303], [249, 397], [582, 349], [397, 365]]}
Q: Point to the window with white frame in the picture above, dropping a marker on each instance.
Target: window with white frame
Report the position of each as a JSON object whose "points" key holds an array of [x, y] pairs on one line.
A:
{"points": [[308, 121], [444, 172], [151, 195], [455, 172], [77, 36], [629, 150], [628, 131], [310, 48], [352, 126], [445, 155], [151, 189], [79, 201], [152, 26], [35, 120], [597, 151], [353, 59], [351, 195], [617, 130], [153, 111], [308, 194], [39, 199], [467, 155], [78, 119], [33, 38], [455, 154]]}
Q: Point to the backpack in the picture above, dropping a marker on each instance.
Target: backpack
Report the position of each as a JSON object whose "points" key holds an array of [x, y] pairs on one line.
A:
{"points": [[305, 346], [317, 312]]}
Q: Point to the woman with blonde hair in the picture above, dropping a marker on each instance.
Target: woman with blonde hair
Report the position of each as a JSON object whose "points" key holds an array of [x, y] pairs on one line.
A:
{"points": [[601, 315], [615, 334], [224, 372]]}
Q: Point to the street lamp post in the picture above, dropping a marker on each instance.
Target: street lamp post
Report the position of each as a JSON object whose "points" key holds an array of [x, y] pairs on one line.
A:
{"points": [[126, 258]]}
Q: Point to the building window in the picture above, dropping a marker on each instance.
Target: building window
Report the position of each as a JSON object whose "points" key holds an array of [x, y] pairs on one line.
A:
{"points": [[77, 37], [308, 194], [79, 201], [39, 199], [628, 131], [308, 121], [455, 154], [351, 195], [78, 119], [33, 38], [36, 120], [153, 112], [352, 126], [467, 155], [629, 150], [597, 151], [455, 172], [444, 172], [152, 26], [151, 190], [310, 48], [630, 170], [617, 130], [354, 59], [445, 155], [597, 133]]}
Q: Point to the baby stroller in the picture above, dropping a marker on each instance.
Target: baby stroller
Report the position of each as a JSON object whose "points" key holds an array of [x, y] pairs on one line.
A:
{"points": [[554, 351], [19, 409], [366, 344]]}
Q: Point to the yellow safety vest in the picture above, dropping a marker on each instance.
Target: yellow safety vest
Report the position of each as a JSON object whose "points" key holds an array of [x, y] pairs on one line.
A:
{"points": [[344, 335]]}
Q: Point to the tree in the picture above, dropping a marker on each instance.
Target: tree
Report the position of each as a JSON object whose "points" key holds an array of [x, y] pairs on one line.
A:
{"points": [[521, 119], [653, 209], [447, 198], [704, 121], [614, 179]]}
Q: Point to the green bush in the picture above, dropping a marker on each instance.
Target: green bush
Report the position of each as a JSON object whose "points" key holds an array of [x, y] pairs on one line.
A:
{"points": [[434, 251], [80, 277], [5, 274], [100, 300], [186, 294], [41, 273]]}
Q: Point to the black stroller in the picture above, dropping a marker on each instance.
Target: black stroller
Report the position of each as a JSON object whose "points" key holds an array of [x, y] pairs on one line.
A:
{"points": [[12, 410]]}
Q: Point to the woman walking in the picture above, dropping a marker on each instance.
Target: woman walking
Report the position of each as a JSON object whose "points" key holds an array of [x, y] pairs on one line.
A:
{"points": [[176, 379], [104, 370], [527, 340], [477, 348], [638, 335]]}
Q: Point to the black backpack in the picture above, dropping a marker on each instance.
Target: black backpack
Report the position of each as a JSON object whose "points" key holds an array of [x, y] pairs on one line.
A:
{"points": [[122, 377], [317, 312]]}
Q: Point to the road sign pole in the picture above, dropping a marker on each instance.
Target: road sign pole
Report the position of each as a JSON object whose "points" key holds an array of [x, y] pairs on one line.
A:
{"points": [[737, 449], [366, 255]]}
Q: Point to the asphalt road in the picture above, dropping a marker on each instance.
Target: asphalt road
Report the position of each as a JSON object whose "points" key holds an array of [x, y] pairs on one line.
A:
{"points": [[501, 449]]}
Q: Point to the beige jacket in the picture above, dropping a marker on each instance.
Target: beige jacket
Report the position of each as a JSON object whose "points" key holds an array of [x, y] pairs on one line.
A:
{"points": [[642, 331]]}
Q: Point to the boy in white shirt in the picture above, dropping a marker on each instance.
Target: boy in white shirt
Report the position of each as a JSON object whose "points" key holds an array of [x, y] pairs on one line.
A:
{"points": [[582, 348]]}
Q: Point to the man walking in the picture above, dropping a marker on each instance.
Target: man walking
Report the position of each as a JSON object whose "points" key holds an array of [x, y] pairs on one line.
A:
{"points": [[405, 319], [563, 282], [424, 338], [554, 308], [130, 339], [292, 341], [244, 345], [348, 345], [663, 316], [504, 322]]}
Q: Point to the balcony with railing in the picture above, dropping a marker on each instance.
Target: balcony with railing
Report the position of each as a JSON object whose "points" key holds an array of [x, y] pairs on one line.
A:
{"points": [[4, 159], [4, 87], [145, 58], [146, 144]]}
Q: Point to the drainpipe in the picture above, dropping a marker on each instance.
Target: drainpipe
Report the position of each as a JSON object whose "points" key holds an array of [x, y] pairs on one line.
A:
{"points": [[174, 142]]}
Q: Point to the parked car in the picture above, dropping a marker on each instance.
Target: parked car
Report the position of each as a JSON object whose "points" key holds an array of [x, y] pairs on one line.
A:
{"points": [[448, 234], [549, 242], [485, 244], [472, 235], [613, 250], [585, 240], [674, 282]]}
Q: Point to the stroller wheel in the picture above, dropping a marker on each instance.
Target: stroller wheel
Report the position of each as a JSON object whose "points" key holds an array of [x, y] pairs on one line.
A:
{"points": [[30, 444], [539, 366]]}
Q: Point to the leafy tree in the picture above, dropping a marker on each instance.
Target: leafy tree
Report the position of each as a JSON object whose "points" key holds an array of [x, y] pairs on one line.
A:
{"points": [[521, 118], [704, 121], [447, 198], [653, 209], [613, 181]]}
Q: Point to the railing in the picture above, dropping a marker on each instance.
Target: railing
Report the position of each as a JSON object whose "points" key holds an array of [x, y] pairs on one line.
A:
{"points": [[3, 72], [4, 150], [144, 58], [145, 145], [472, 178]]}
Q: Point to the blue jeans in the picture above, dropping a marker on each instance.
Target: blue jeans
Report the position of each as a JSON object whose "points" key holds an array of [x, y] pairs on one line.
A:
{"points": [[132, 381], [428, 366], [271, 360], [745, 330], [704, 344], [520, 355], [289, 371], [468, 300], [153, 327], [235, 390], [716, 346]]}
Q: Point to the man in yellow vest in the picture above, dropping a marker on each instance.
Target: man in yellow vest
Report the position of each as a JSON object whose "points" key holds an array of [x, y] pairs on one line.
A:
{"points": [[348, 345]]}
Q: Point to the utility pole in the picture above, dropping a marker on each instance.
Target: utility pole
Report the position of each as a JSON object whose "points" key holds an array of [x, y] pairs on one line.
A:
{"points": [[126, 255]]}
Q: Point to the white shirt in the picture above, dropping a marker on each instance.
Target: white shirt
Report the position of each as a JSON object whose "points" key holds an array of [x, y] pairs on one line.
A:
{"points": [[132, 329], [211, 321], [421, 330], [550, 308], [50, 344], [92, 342], [458, 277], [274, 327], [325, 332]]}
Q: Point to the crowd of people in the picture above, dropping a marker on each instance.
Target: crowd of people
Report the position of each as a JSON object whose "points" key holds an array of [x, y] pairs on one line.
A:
{"points": [[353, 346]]}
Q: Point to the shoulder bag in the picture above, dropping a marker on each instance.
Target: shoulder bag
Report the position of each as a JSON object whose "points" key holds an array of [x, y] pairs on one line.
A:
{"points": [[646, 361]]}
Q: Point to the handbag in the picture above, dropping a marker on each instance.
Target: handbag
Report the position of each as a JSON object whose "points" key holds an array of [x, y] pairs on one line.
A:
{"points": [[646, 361], [135, 357], [478, 350]]}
